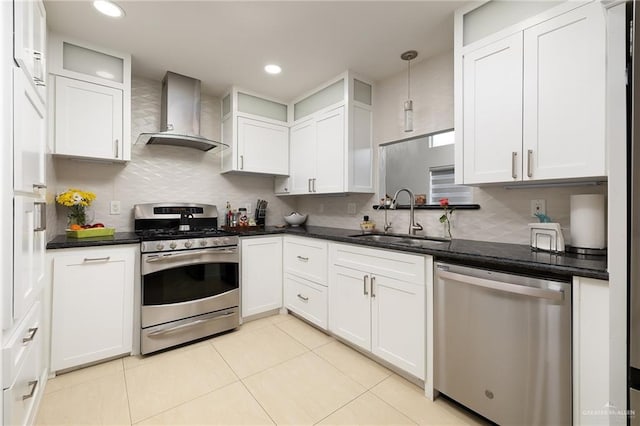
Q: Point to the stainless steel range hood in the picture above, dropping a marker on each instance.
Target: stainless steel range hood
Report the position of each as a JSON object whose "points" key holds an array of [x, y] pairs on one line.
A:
{"points": [[180, 115]]}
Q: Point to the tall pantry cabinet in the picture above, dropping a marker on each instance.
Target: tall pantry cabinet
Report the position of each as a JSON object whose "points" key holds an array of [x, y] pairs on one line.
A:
{"points": [[22, 73]]}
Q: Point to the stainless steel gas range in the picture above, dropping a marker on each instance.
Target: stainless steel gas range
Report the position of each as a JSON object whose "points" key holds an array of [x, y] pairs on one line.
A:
{"points": [[190, 274]]}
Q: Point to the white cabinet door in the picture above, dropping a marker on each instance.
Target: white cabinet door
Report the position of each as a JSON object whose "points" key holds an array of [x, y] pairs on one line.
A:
{"points": [[92, 309], [88, 120], [262, 147], [306, 258], [350, 306], [564, 96], [492, 112], [330, 141], [29, 135], [303, 157], [306, 298], [30, 38], [398, 323], [261, 280], [28, 258]]}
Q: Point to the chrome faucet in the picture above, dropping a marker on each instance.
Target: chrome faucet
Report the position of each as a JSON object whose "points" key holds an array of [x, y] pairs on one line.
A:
{"points": [[413, 226]]}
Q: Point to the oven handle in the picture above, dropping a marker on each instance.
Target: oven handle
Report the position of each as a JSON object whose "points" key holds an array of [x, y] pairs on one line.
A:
{"points": [[173, 256], [187, 325]]}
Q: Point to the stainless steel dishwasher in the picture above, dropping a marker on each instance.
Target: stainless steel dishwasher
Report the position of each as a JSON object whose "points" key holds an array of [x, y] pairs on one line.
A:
{"points": [[503, 344]]}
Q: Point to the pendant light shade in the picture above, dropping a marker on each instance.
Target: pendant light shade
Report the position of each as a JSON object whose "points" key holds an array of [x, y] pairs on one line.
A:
{"points": [[408, 104]]}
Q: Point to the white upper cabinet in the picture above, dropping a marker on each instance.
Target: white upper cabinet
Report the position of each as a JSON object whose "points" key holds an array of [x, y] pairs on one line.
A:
{"points": [[530, 98], [257, 133], [91, 97], [30, 40], [331, 140]]}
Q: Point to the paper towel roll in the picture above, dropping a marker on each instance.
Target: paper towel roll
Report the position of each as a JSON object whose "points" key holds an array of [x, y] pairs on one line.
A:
{"points": [[588, 221]]}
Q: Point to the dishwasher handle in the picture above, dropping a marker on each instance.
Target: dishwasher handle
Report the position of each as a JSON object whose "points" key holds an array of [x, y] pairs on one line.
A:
{"points": [[522, 290]]}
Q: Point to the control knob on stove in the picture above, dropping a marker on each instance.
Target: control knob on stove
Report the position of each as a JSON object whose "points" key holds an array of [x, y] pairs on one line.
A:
{"points": [[173, 245], [203, 242], [188, 243], [159, 246]]}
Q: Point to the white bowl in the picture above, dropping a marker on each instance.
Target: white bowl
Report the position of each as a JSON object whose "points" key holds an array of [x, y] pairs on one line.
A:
{"points": [[295, 219]]}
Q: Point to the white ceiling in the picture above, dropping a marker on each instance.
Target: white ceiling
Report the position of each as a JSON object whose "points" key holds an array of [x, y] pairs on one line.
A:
{"points": [[229, 42]]}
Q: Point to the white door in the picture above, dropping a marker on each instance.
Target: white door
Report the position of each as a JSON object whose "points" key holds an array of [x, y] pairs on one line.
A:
{"points": [[492, 112], [398, 323], [330, 140], [350, 305], [30, 39], [262, 147], [28, 257], [303, 157], [261, 280], [29, 135], [88, 119], [92, 306], [564, 96]]}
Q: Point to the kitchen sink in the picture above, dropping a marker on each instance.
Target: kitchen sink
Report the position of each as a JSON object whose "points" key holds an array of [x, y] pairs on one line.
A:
{"points": [[403, 240]]}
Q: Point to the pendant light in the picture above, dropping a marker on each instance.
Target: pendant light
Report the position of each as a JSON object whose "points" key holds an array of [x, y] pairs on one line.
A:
{"points": [[408, 56]]}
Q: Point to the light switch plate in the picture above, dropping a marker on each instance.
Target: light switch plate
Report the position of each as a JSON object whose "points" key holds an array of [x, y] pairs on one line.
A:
{"points": [[538, 206], [351, 208], [114, 207]]}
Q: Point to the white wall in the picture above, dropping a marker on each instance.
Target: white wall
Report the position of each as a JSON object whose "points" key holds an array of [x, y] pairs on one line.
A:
{"points": [[504, 213], [160, 173]]}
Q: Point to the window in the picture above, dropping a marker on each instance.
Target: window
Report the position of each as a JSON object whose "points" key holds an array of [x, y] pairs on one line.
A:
{"points": [[442, 185]]}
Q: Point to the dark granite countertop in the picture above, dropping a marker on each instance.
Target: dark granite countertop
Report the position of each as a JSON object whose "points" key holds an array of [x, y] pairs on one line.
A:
{"points": [[516, 258], [63, 242]]}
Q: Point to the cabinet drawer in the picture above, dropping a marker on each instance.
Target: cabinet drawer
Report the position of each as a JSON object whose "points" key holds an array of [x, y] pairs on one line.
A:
{"points": [[20, 344], [307, 299], [401, 266], [306, 258], [19, 399]]}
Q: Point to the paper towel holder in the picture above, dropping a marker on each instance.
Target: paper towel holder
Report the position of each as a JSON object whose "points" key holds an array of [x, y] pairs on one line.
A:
{"points": [[586, 251]]}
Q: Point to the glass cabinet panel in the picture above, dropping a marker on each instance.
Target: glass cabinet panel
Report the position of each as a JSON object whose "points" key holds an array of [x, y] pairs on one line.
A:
{"points": [[321, 99], [262, 107], [90, 62], [361, 91]]}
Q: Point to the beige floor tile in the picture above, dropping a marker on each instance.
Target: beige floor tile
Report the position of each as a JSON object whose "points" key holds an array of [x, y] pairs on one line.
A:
{"points": [[367, 409], [304, 333], [303, 390], [230, 405], [98, 401], [276, 319], [158, 386], [360, 368], [409, 399], [138, 360], [83, 375], [251, 352]]}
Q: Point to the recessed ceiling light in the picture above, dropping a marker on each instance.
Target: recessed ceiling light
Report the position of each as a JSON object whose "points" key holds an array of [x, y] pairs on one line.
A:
{"points": [[273, 69], [108, 8]]}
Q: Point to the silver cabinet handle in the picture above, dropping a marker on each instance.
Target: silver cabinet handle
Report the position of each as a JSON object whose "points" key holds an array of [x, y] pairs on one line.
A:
{"points": [[39, 186], [309, 184], [242, 162], [302, 258], [42, 217], [117, 142], [301, 297], [30, 335], [514, 172], [34, 385], [530, 163], [373, 281], [364, 285], [97, 259], [314, 185], [522, 290]]}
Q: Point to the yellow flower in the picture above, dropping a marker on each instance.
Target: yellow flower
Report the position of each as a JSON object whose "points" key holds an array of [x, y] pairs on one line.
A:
{"points": [[75, 197]]}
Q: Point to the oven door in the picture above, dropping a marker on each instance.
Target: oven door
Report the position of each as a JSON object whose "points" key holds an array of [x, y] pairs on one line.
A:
{"points": [[184, 284]]}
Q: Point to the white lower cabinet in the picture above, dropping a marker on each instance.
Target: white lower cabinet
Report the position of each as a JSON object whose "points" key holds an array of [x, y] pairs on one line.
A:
{"points": [[24, 371], [377, 301], [92, 306], [261, 276], [305, 278]]}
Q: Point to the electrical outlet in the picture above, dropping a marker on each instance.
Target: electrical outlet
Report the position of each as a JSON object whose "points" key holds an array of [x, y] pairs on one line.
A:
{"points": [[248, 207], [538, 206], [114, 207], [351, 208]]}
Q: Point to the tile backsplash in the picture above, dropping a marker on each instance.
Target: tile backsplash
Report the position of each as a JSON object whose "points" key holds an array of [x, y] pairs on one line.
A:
{"points": [[160, 173]]}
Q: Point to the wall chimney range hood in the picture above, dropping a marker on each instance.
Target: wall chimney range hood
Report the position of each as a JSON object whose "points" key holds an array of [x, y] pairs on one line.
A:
{"points": [[180, 115]]}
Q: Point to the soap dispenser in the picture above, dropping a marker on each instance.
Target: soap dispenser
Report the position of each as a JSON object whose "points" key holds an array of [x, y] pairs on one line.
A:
{"points": [[367, 225]]}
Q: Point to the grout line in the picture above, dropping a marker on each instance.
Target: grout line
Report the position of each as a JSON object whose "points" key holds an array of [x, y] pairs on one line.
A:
{"points": [[258, 402], [126, 391]]}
